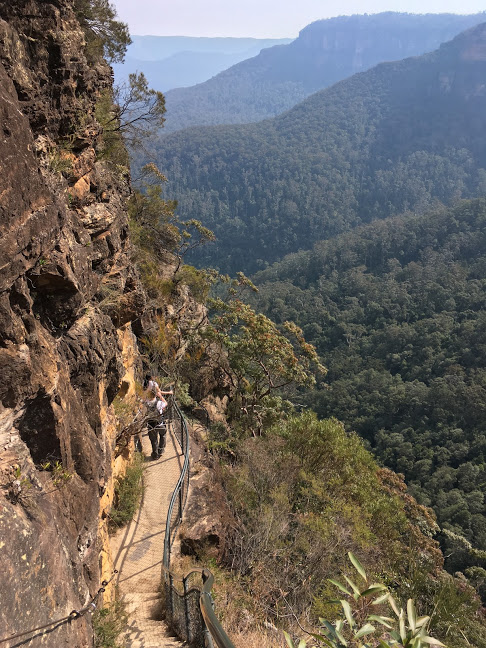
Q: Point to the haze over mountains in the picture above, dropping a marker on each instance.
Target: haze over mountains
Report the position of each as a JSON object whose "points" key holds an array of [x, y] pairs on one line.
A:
{"points": [[399, 136], [178, 61], [325, 52]]}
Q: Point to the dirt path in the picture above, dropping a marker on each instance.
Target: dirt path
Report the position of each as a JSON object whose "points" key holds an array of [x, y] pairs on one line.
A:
{"points": [[138, 550]]}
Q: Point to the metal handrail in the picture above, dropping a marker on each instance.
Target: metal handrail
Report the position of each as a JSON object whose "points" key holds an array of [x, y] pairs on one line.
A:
{"points": [[214, 630], [213, 625], [177, 494]]}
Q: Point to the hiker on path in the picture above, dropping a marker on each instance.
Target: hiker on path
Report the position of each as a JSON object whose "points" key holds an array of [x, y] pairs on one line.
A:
{"points": [[156, 404]]}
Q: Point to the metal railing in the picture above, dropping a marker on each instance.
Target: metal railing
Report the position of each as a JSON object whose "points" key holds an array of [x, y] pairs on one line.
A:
{"points": [[214, 628], [179, 496], [188, 601]]}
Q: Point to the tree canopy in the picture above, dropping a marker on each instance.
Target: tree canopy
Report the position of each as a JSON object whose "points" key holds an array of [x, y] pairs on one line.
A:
{"points": [[105, 34], [396, 310]]}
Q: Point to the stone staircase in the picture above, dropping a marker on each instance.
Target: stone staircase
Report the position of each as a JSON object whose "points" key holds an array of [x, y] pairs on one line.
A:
{"points": [[146, 628], [138, 551]]}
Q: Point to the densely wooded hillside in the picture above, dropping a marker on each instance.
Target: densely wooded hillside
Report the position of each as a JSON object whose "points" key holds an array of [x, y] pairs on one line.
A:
{"points": [[325, 52], [396, 310], [397, 137]]}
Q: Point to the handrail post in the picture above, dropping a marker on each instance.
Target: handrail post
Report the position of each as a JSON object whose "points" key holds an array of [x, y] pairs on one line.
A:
{"points": [[182, 435], [171, 597], [208, 640], [186, 611], [180, 504]]}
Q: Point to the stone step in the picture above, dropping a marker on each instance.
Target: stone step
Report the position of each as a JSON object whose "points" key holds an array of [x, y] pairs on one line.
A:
{"points": [[145, 607], [153, 643], [141, 596], [148, 634]]}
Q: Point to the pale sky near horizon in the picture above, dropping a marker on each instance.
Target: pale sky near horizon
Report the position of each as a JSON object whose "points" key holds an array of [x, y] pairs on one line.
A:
{"points": [[262, 18]]}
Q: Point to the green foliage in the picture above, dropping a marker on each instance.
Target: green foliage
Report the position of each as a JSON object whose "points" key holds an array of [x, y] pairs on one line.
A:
{"points": [[183, 397], [396, 310], [128, 493], [19, 486], [156, 231], [453, 607], [360, 625], [152, 217], [111, 146], [262, 359], [299, 492], [305, 493], [220, 441], [104, 34], [163, 343], [196, 281], [60, 476], [109, 623]]}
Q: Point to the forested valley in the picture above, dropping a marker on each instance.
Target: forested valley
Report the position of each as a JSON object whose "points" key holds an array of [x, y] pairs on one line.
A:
{"points": [[400, 136], [325, 52], [376, 169], [396, 310]]}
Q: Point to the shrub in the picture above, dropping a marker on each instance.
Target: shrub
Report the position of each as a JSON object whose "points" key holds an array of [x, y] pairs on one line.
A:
{"points": [[128, 492], [363, 625], [108, 624], [300, 491]]}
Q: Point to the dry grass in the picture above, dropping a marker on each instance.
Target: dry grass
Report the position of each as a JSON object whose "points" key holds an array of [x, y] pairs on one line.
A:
{"points": [[257, 639], [234, 607]]}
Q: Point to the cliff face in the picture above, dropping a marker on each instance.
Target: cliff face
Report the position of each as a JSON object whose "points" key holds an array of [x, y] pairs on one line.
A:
{"points": [[357, 43], [63, 248]]}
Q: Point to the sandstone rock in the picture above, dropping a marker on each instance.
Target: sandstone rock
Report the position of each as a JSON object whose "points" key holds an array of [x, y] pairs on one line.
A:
{"points": [[97, 218], [81, 188], [207, 517], [61, 362]]}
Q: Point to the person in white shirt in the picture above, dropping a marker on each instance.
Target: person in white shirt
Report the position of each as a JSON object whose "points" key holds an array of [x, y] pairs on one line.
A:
{"points": [[156, 404]]}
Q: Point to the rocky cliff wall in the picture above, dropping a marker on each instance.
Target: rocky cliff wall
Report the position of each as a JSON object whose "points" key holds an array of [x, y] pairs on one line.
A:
{"points": [[63, 247], [359, 42]]}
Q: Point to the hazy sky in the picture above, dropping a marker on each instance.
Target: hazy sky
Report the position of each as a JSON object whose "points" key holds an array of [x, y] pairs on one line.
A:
{"points": [[261, 18]]}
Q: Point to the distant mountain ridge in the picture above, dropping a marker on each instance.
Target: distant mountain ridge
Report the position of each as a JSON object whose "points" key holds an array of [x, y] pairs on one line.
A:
{"points": [[178, 61], [325, 52], [399, 136]]}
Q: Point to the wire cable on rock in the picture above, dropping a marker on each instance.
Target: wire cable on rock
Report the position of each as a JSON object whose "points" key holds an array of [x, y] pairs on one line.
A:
{"points": [[74, 614]]}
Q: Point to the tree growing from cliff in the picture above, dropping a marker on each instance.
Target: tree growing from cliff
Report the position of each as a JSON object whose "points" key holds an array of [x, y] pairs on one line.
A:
{"points": [[139, 110], [263, 360], [105, 35], [157, 230]]}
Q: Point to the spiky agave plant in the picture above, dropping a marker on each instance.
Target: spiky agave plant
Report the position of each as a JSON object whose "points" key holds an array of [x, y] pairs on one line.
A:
{"points": [[361, 628]]}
